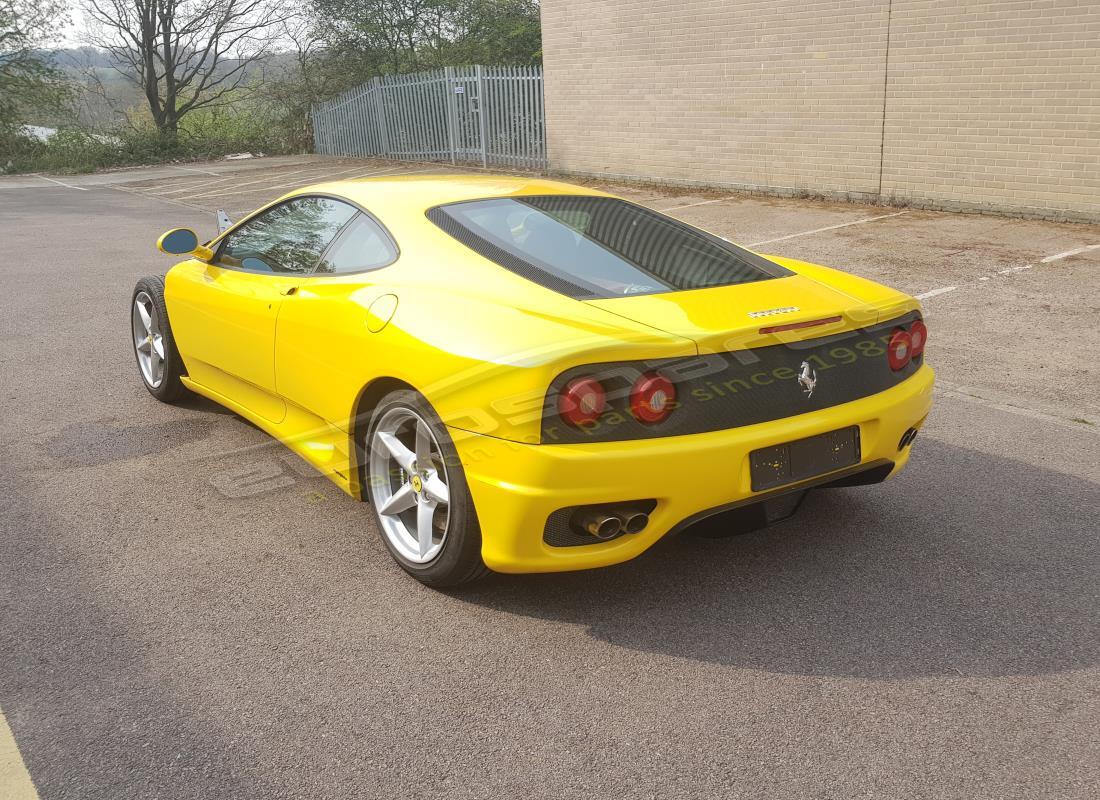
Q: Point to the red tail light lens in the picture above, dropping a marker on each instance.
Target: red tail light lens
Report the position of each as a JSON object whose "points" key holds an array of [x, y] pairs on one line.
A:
{"points": [[900, 349], [918, 335], [652, 398], [582, 402]]}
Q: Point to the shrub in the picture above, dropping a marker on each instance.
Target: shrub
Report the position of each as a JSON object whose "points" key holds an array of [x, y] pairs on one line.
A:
{"points": [[203, 136]]}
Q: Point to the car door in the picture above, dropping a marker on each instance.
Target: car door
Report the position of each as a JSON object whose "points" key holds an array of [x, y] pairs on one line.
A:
{"points": [[224, 312], [328, 328]]}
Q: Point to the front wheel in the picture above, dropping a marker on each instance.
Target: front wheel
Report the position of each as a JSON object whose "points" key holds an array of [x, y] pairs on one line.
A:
{"points": [[419, 495], [158, 360]]}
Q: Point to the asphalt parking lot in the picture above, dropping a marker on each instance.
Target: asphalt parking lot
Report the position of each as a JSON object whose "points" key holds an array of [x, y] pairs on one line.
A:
{"points": [[163, 635]]}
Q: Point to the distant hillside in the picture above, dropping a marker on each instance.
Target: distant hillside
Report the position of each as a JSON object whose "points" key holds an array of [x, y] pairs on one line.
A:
{"points": [[104, 93], [79, 57], [77, 60]]}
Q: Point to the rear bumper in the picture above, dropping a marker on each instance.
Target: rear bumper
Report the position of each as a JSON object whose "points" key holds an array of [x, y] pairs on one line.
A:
{"points": [[516, 486]]}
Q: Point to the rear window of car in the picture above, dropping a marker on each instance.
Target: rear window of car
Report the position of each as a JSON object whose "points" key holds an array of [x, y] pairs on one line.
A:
{"points": [[598, 247]]}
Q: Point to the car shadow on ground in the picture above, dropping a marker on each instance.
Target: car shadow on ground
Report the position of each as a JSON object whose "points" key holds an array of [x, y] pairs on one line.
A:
{"points": [[97, 442], [961, 566]]}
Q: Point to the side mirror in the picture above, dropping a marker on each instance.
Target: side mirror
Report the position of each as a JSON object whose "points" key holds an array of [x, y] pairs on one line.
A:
{"points": [[183, 241]]}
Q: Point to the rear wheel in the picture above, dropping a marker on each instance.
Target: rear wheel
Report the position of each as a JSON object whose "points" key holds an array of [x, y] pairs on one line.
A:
{"points": [[419, 494], [158, 360]]}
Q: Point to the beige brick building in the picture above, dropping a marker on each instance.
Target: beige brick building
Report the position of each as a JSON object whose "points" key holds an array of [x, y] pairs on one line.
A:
{"points": [[975, 104]]}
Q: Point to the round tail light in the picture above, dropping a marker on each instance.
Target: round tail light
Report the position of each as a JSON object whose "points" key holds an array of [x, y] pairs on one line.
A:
{"points": [[918, 335], [582, 402], [652, 398], [900, 349]]}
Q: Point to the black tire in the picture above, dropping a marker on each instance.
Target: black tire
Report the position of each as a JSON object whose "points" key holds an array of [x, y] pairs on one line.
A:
{"points": [[459, 561], [170, 388]]}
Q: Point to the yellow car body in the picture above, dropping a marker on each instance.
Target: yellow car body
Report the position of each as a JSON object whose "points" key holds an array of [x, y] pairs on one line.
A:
{"points": [[305, 357]]}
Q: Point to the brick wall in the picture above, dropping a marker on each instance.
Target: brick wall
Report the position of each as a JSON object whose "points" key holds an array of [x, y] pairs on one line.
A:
{"points": [[981, 104]]}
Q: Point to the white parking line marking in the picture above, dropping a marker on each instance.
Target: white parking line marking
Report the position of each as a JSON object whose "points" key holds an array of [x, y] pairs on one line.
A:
{"points": [[59, 183], [401, 171], [196, 169], [322, 178], [170, 200], [700, 203], [829, 228], [181, 187], [314, 174], [229, 182], [244, 211], [15, 781], [1009, 271], [354, 169], [934, 292], [251, 183], [171, 183], [315, 178], [188, 185], [374, 173], [1069, 253]]}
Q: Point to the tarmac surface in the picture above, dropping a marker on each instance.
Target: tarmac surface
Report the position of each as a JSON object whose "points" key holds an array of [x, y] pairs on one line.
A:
{"points": [[936, 636]]}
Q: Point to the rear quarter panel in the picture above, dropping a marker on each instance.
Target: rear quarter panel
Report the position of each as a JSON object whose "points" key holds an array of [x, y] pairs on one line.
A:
{"points": [[484, 366]]}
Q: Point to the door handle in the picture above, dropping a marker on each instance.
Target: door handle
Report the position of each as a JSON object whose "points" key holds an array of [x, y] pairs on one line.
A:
{"points": [[288, 291]]}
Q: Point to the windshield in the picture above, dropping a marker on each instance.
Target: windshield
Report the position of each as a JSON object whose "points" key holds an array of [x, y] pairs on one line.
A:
{"points": [[598, 247]]}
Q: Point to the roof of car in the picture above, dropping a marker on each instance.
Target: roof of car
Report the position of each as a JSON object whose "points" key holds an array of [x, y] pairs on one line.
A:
{"points": [[421, 192]]}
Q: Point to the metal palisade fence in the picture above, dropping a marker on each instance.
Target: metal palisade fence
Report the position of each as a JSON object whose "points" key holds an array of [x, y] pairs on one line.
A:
{"points": [[491, 116]]}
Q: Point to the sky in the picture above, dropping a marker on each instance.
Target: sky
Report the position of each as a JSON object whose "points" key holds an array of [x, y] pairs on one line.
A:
{"points": [[73, 33]]}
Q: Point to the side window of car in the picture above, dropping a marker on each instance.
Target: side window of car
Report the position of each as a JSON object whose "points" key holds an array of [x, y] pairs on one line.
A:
{"points": [[362, 246], [288, 238]]}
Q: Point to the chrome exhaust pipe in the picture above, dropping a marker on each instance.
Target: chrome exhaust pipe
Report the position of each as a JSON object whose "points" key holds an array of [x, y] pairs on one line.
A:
{"points": [[601, 525], [635, 521]]}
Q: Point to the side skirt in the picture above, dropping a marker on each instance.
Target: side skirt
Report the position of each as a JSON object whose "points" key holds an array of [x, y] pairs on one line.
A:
{"points": [[324, 446]]}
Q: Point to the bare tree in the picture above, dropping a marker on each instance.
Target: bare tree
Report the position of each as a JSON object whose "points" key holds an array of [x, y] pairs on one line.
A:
{"points": [[306, 73], [185, 54]]}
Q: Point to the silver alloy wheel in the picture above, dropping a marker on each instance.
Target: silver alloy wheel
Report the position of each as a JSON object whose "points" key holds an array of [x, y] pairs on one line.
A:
{"points": [[148, 340], [408, 485]]}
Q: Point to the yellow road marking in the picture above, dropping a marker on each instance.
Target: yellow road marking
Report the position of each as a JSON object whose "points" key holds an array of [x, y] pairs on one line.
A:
{"points": [[15, 781]]}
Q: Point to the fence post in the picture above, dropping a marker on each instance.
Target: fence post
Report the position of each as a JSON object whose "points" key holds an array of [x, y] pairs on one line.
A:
{"points": [[481, 115], [380, 102], [448, 107]]}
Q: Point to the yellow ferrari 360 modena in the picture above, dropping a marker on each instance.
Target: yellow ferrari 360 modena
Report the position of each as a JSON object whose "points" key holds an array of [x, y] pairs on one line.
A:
{"points": [[521, 375]]}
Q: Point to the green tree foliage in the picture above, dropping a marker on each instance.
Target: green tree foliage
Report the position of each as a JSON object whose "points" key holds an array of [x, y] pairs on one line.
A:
{"points": [[188, 79], [498, 32], [375, 37], [338, 44], [30, 88]]}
